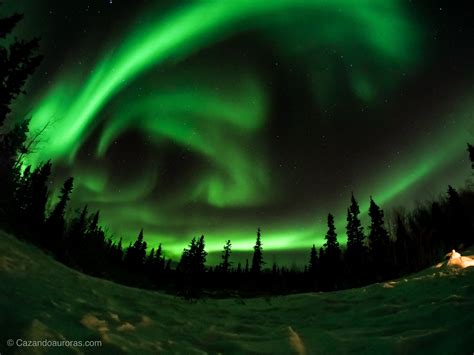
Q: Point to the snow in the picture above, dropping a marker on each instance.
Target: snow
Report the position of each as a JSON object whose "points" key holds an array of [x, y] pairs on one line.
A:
{"points": [[429, 312], [456, 259]]}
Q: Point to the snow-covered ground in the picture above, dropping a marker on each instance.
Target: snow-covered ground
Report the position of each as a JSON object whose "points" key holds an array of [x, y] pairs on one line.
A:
{"points": [[427, 313]]}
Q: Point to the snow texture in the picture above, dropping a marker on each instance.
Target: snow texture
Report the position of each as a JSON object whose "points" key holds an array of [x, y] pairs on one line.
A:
{"points": [[427, 313]]}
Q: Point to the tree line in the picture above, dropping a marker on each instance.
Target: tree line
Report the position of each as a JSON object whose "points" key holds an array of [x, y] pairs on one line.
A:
{"points": [[412, 241]]}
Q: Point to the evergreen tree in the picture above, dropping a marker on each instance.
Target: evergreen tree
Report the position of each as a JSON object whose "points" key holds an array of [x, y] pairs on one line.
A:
{"points": [[257, 260], [137, 254], [78, 227], [225, 265], [355, 231], [192, 268], [60, 209], [17, 63], [11, 146], [119, 251], [159, 259], [458, 221], [76, 234], [150, 260], [403, 246], [379, 242], [36, 198], [439, 231], [356, 251], [55, 224], [470, 149], [313, 260], [331, 247], [186, 262], [331, 257], [193, 259], [199, 256]]}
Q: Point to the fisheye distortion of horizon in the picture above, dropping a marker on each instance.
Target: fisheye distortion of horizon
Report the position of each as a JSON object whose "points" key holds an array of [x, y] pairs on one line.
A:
{"points": [[218, 117]]}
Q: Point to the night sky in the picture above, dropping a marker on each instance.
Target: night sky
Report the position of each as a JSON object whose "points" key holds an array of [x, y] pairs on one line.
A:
{"points": [[217, 117]]}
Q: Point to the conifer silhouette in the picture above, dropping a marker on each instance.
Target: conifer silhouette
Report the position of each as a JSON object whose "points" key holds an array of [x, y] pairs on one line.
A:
{"points": [[225, 265], [257, 259]]}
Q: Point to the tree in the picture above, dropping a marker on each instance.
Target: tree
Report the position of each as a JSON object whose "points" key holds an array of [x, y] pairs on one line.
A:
{"points": [[313, 260], [35, 199], [17, 63], [199, 257], [150, 260], [331, 246], [470, 149], [136, 254], [76, 233], [356, 252], [185, 263], [403, 246], [55, 224], [257, 259], [458, 221], [330, 258], [379, 242], [192, 268], [158, 261], [225, 265], [11, 146], [193, 259]]}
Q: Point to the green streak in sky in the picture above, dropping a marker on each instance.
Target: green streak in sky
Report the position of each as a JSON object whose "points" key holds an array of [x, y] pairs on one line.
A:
{"points": [[372, 42], [380, 28]]}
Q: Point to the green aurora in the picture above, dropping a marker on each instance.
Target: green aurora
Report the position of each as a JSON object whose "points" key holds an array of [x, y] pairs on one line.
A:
{"points": [[141, 83]]}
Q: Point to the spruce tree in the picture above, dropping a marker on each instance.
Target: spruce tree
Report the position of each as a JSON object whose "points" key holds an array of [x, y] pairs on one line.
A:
{"points": [[55, 224], [379, 242], [158, 263], [458, 222], [150, 260], [355, 252], [193, 259], [186, 263], [257, 259], [136, 253], [36, 199], [17, 62], [331, 259], [403, 246], [355, 231], [199, 257], [331, 246], [118, 252], [11, 146], [225, 265], [313, 260], [76, 234], [140, 250]]}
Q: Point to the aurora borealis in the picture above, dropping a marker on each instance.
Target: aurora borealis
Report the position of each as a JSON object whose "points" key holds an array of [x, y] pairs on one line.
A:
{"points": [[216, 117]]}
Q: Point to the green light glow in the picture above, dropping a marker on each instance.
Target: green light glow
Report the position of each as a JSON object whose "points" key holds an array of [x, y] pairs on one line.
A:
{"points": [[220, 115]]}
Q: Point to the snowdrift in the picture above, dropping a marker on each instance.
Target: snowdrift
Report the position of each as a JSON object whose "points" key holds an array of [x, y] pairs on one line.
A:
{"points": [[429, 312]]}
